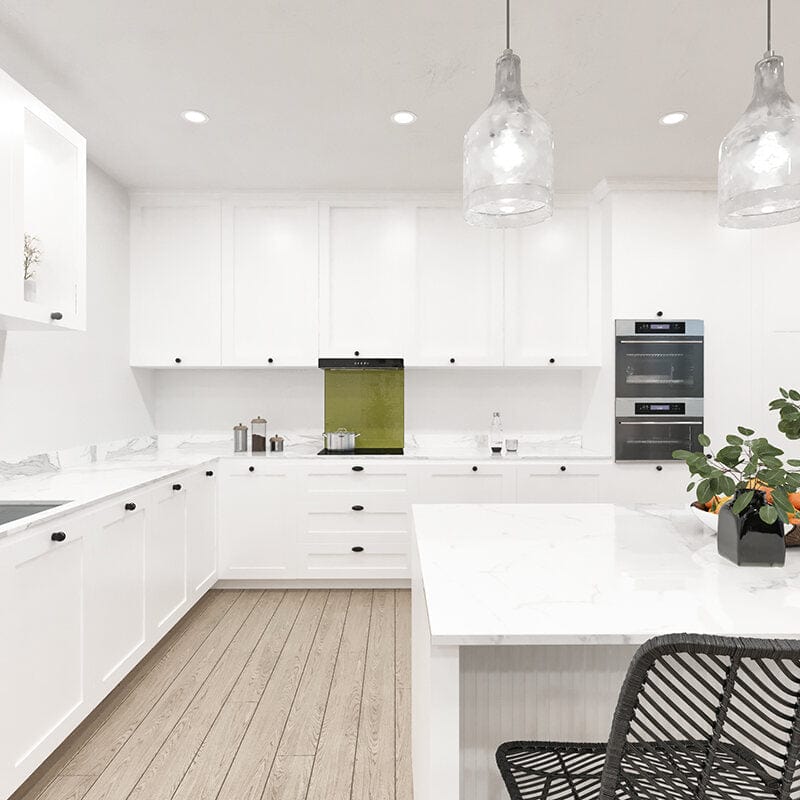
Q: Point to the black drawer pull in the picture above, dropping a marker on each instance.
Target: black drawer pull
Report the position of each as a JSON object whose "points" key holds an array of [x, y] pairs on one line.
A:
{"points": [[659, 313], [452, 361], [58, 536], [178, 360], [56, 315], [270, 361], [357, 469], [130, 506], [659, 467], [563, 468], [357, 353], [209, 473], [357, 549], [176, 487], [358, 508], [552, 361], [474, 469], [252, 469]]}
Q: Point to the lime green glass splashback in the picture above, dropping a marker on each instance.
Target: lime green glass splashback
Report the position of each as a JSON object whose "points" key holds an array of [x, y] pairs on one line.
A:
{"points": [[370, 402]]}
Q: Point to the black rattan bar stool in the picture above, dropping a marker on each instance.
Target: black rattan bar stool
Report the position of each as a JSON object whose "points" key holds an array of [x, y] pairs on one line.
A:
{"points": [[698, 718]]}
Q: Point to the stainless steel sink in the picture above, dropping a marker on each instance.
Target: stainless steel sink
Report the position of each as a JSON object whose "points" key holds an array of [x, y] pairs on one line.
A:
{"points": [[13, 511]]}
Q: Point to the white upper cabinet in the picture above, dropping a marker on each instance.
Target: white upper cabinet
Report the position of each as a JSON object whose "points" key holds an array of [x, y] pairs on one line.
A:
{"points": [[270, 283], [552, 293], [457, 308], [175, 281], [43, 167], [366, 261]]}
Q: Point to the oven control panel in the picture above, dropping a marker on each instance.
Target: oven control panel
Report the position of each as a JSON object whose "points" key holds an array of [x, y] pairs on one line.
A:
{"points": [[661, 327], [654, 409]]}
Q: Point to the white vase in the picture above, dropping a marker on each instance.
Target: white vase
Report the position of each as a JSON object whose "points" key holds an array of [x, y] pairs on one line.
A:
{"points": [[30, 290]]}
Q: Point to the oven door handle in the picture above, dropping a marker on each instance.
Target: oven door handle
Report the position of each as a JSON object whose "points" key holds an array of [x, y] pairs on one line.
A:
{"points": [[661, 341], [665, 422]]}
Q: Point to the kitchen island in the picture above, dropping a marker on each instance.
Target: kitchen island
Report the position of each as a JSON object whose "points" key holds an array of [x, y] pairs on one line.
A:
{"points": [[525, 618]]}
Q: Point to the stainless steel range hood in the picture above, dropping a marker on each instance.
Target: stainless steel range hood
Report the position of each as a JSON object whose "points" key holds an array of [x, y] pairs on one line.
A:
{"points": [[360, 363]]}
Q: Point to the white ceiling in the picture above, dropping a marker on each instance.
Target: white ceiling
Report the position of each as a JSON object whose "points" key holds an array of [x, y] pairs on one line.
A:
{"points": [[300, 91]]}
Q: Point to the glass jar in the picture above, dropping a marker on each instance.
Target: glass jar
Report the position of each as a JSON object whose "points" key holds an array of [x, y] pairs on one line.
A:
{"points": [[259, 435]]}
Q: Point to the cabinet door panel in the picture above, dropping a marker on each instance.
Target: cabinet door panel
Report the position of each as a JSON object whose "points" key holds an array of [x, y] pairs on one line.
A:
{"points": [[551, 293], [256, 525], [461, 484], [41, 590], [201, 533], [166, 559], [551, 485], [366, 263], [115, 594], [458, 285], [175, 283], [271, 284]]}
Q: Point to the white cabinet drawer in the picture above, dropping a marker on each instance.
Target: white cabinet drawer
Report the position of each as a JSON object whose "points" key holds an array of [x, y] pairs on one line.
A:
{"points": [[357, 477], [559, 483], [466, 483], [254, 465], [340, 560]]}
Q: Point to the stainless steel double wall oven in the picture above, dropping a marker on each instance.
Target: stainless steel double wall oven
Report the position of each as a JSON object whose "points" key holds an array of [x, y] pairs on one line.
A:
{"points": [[659, 388]]}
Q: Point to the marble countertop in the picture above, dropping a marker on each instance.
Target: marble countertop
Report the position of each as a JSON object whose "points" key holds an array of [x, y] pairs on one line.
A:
{"points": [[590, 574], [82, 480]]}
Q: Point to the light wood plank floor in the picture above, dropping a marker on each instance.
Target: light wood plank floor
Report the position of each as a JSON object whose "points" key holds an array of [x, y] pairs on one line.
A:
{"points": [[254, 695]]}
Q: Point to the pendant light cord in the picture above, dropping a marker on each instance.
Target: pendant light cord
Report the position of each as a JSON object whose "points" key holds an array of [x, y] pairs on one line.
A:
{"points": [[508, 24], [769, 26]]}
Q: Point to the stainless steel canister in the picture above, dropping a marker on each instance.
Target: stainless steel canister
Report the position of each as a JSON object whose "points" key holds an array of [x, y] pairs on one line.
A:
{"points": [[276, 444], [240, 438]]}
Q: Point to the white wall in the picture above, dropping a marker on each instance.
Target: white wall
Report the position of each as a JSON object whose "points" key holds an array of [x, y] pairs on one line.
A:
{"points": [[436, 400], [61, 389]]}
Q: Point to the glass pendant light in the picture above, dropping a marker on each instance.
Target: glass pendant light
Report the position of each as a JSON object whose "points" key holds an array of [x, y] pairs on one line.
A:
{"points": [[759, 160], [508, 155]]}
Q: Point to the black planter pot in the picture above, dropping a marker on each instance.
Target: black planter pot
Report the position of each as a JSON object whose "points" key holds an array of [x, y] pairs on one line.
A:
{"points": [[746, 539]]}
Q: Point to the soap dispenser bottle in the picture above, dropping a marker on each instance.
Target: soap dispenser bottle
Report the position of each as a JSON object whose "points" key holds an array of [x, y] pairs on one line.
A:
{"points": [[496, 433]]}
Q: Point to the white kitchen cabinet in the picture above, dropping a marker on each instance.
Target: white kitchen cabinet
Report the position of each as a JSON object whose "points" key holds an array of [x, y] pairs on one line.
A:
{"points": [[175, 281], [43, 170], [458, 291], [354, 558], [559, 483], [257, 519], [114, 586], [270, 283], [552, 293], [201, 531], [43, 691], [367, 256], [663, 484], [165, 554], [465, 483]]}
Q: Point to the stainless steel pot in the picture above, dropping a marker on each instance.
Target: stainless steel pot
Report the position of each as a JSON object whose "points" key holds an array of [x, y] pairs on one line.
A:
{"points": [[342, 440]]}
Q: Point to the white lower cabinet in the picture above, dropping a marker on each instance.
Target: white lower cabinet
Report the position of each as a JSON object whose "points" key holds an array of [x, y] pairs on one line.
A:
{"points": [[559, 483], [257, 520], [201, 532], [114, 586], [466, 483], [165, 568], [43, 687], [355, 557], [663, 484]]}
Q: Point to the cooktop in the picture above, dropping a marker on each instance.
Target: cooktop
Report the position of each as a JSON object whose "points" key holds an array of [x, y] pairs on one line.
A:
{"points": [[363, 451]]}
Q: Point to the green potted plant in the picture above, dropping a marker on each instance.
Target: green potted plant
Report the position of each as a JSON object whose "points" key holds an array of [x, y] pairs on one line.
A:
{"points": [[750, 470]]}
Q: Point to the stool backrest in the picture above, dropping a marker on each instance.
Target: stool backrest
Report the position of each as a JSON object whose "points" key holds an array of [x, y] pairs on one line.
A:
{"points": [[707, 718]]}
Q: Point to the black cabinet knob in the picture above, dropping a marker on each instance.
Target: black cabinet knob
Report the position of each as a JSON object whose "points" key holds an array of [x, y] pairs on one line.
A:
{"points": [[357, 353], [563, 468], [252, 469], [58, 536], [659, 313], [357, 469], [270, 360], [659, 467], [177, 360], [176, 487], [452, 361], [56, 315], [474, 469], [358, 508], [357, 549], [552, 361], [209, 473], [130, 506]]}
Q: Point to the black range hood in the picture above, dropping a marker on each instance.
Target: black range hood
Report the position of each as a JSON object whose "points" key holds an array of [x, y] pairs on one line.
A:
{"points": [[360, 363]]}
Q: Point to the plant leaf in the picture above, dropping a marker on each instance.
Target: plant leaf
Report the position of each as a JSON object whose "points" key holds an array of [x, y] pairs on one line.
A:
{"points": [[745, 431], [704, 491], [681, 455], [690, 486], [703, 440], [734, 440], [784, 392], [742, 501], [794, 395], [768, 514]]}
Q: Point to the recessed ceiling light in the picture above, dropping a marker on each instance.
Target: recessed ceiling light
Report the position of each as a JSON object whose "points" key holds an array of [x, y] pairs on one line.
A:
{"points": [[404, 117], [673, 118], [195, 116]]}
